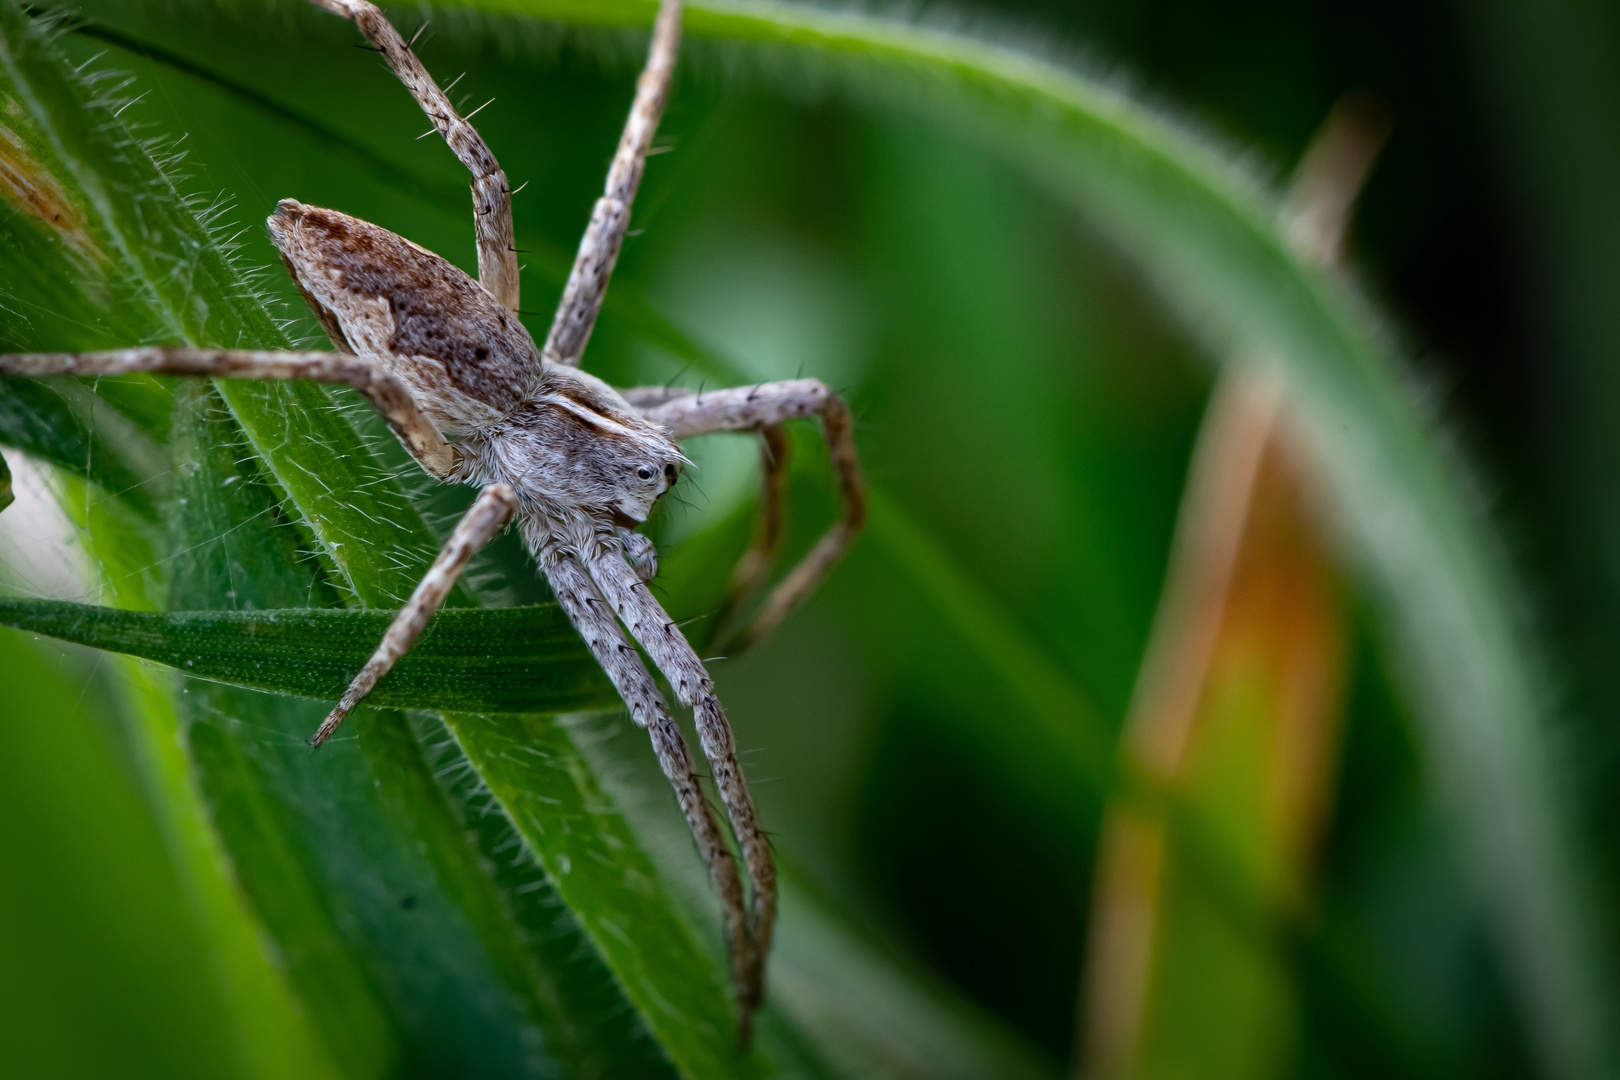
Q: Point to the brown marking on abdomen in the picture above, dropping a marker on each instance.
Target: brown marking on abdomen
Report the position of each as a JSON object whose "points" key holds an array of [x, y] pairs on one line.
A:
{"points": [[439, 313]]}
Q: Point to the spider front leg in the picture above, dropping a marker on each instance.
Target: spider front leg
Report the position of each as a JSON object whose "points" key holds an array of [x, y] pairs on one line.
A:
{"points": [[743, 407], [651, 626], [610, 217], [492, 200], [595, 621], [489, 514]]}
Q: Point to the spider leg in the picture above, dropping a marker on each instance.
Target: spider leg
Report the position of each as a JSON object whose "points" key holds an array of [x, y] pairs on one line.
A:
{"points": [[648, 623], [643, 398], [760, 406], [492, 200], [610, 217], [775, 455], [489, 514], [384, 391], [597, 625]]}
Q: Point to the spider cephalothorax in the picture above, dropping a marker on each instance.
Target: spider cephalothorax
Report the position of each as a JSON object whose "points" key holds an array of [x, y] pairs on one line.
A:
{"points": [[576, 444], [576, 463]]}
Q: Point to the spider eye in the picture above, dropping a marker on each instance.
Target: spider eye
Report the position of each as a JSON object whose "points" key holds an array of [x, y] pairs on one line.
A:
{"points": [[645, 472], [669, 471]]}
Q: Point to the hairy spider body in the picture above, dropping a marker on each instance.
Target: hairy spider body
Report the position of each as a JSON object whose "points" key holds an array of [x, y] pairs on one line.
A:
{"points": [[577, 464], [572, 449]]}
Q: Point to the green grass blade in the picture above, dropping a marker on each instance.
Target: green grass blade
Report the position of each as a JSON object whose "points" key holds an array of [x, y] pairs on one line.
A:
{"points": [[592, 862], [508, 661], [596, 863]]}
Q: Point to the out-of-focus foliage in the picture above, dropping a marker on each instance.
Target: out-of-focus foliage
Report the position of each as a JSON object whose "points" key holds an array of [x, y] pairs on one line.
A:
{"points": [[1237, 712], [893, 209]]}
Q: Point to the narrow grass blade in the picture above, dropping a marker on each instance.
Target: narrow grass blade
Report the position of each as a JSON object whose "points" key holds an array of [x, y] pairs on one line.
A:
{"points": [[507, 661], [1236, 712]]}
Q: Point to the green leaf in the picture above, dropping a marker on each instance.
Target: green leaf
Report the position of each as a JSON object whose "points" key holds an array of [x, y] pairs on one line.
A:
{"points": [[595, 861], [272, 1027], [506, 661]]}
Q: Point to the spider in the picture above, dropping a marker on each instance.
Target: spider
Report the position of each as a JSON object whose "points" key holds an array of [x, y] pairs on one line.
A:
{"points": [[577, 464]]}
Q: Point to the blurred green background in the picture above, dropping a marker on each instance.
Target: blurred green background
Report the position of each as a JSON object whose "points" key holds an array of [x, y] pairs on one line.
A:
{"points": [[1024, 395]]}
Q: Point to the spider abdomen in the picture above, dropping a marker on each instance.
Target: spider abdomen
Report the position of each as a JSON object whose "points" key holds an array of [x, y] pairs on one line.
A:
{"points": [[466, 359]]}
